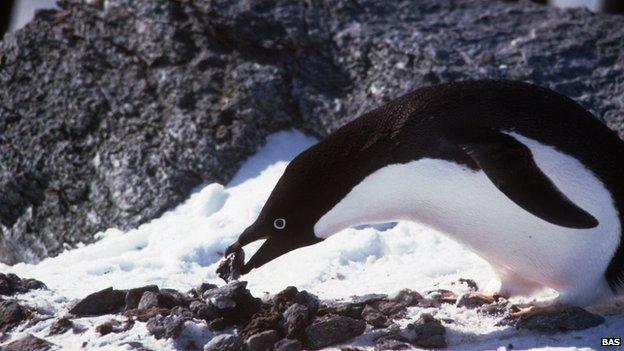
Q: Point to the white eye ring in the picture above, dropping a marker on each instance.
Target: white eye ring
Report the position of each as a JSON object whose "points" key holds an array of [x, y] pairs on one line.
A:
{"points": [[279, 223]]}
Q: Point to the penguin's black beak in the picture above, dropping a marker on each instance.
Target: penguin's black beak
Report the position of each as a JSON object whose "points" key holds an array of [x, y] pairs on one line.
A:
{"points": [[271, 249]]}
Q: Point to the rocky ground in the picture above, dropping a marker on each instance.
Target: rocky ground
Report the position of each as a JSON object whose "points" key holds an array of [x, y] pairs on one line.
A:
{"points": [[290, 320], [112, 111]]}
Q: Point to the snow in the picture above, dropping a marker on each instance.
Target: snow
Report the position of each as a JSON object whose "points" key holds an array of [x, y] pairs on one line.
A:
{"points": [[183, 247]]}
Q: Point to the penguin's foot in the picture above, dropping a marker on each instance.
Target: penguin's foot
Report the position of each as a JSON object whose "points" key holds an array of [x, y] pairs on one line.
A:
{"points": [[555, 318]]}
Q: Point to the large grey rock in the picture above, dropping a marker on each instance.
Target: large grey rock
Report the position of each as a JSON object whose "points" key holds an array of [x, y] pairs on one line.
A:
{"points": [[110, 115]]}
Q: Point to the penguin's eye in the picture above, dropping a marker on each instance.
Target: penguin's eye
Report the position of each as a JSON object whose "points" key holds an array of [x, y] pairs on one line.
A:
{"points": [[279, 223]]}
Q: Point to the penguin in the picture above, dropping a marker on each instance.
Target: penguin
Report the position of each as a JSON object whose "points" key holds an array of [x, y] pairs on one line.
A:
{"points": [[523, 176]]}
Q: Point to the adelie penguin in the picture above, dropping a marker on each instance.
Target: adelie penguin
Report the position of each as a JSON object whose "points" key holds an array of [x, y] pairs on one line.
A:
{"points": [[523, 176]]}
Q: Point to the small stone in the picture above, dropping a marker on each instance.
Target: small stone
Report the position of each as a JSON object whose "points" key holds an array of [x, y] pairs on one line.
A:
{"points": [[102, 302], [11, 314], [295, 320], [428, 332], [104, 328], [133, 296], [28, 343], [285, 297], [368, 298], [233, 301], [288, 345], [170, 326], [331, 329], [470, 301], [311, 301], [408, 297], [225, 342], [201, 310], [174, 298], [152, 299], [346, 309], [61, 326], [146, 314], [229, 269], [203, 287], [373, 317], [262, 341], [392, 342], [472, 285], [559, 319], [114, 326], [11, 284]]}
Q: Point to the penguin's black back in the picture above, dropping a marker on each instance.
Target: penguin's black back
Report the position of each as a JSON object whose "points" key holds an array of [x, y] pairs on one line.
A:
{"points": [[419, 123]]}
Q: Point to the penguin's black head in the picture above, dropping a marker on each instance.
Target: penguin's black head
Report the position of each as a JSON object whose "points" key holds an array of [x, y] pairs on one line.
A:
{"points": [[287, 218]]}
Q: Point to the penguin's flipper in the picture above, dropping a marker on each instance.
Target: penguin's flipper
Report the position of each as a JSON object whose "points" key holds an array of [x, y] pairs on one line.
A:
{"points": [[510, 166]]}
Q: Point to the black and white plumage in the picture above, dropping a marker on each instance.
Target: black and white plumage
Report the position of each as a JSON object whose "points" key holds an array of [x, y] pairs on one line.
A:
{"points": [[523, 176]]}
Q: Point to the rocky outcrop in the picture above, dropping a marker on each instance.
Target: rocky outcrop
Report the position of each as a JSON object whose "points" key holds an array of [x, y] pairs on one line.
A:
{"points": [[111, 114]]}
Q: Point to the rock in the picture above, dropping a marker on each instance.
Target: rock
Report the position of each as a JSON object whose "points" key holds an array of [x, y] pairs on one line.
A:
{"points": [[373, 317], [11, 284], [285, 298], [176, 297], [201, 310], [11, 315], [60, 326], [472, 285], [202, 288], [351, 310], [229, 269], [392, 342], [169, 326], [407, 297], [102, 302], [233, 301], [560, 319], [111, 117], [369, 298], [133, 296], [28, 343], [428, 332], [288, 345], [268, 318], [145, 314], [295, 321], [331, 329], [470, 301], [114, 326], [225, 342], [262, 341], [156, 299]]}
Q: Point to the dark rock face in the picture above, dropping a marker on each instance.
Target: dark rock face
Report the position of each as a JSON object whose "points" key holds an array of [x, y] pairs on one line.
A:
{"points": [[28, 343], [110, 116], [11, 284], [560, 319], [99, 303], [328, 330]]}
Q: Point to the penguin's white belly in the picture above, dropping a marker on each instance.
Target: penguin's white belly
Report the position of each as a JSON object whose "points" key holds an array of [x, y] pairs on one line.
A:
{"points": [[467, 206]]}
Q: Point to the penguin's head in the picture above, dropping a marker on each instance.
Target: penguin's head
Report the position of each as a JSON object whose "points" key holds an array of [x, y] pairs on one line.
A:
{"points": [[287, 219]]}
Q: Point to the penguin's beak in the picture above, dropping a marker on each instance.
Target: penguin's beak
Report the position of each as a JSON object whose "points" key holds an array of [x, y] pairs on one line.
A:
{"points": [[271, 249]]}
